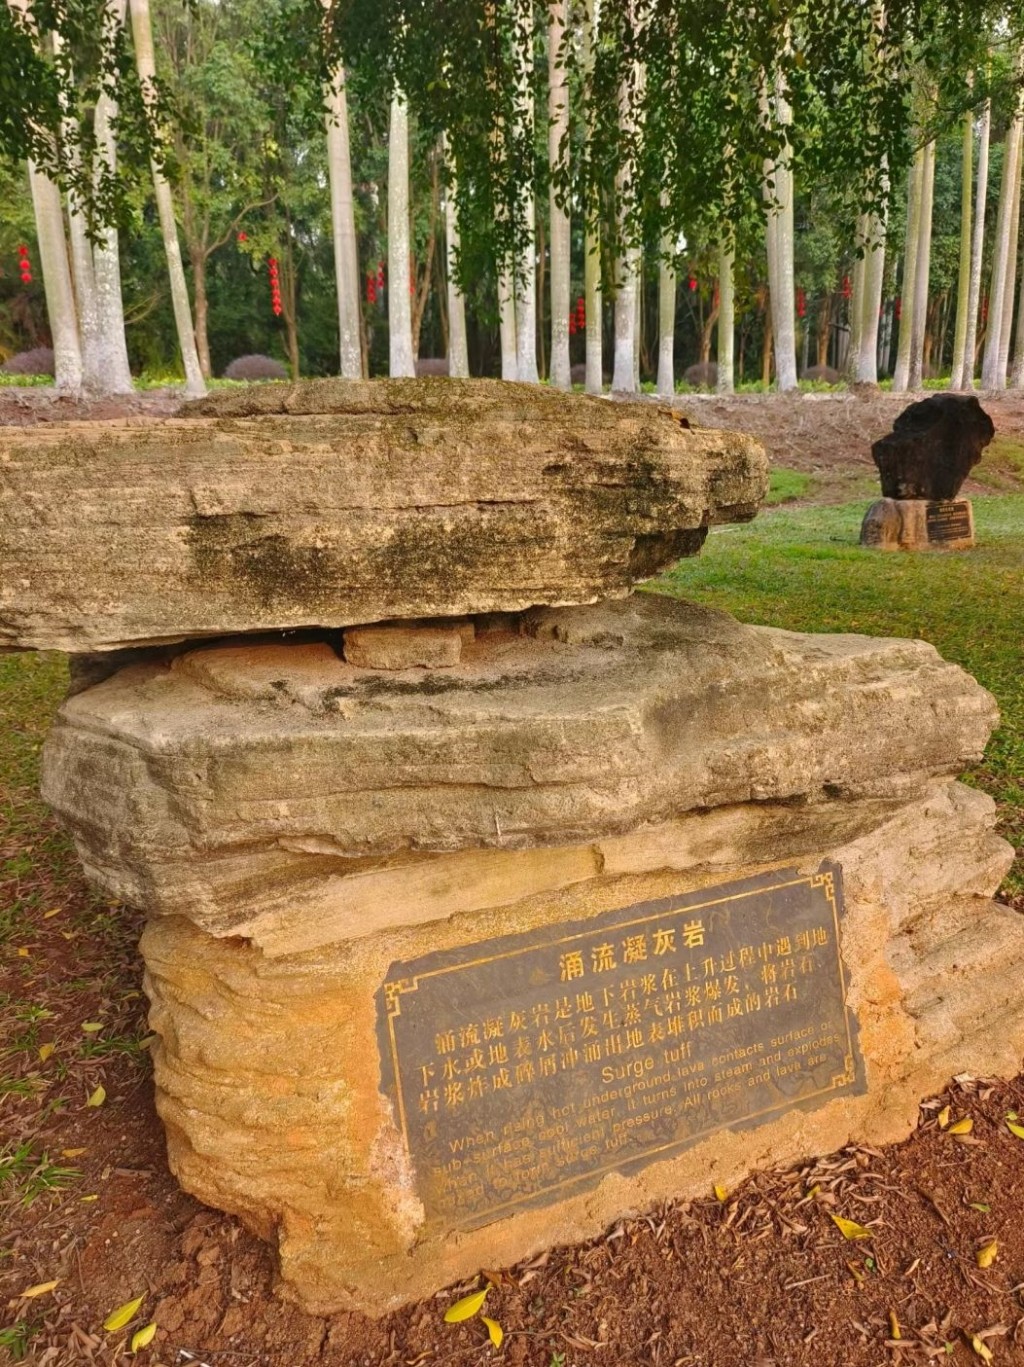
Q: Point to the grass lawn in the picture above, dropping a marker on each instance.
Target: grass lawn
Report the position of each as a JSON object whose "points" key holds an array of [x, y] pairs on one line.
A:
{"points": [[803, 569]]}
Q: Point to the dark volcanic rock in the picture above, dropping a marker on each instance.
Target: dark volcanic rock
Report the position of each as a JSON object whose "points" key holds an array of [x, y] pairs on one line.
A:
{"points": [[933, 447]]}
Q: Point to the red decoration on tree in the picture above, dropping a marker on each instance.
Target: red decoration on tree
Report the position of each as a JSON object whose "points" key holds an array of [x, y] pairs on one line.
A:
{"points": [[380, 275], [801, 304], [371, 289], [692, 282], [243, 237], [581, 314], [847, 288], [897, 309], [275, 287], [24, 264]]}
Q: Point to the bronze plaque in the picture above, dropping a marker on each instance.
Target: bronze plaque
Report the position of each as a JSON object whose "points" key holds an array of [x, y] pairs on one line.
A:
{"points": [[949, 520], [524, 1069]]}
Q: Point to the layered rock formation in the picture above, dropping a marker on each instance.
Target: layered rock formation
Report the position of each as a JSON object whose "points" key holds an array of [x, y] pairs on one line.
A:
{"points": [[310, 819], [358, 503]]}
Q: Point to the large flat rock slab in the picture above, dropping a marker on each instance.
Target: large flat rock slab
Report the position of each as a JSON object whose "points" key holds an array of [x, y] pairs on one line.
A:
{"points": [[233, 781], [339, 503]]}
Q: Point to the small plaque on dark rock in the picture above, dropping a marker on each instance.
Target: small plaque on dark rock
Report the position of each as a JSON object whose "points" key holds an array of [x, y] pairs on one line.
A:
{"points": [[949, 521], [524, 1069]]}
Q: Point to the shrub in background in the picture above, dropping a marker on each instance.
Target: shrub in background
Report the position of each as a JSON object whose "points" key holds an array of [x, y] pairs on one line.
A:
{"points": [[38, 361], [255, 368]]}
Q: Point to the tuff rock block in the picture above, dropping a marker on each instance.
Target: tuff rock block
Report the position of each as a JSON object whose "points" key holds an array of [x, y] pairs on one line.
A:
{"points": [[358, 503]]}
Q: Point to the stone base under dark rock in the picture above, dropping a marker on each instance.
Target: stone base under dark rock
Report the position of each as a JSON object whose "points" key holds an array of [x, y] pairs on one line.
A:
{"points": [[918, 524]]}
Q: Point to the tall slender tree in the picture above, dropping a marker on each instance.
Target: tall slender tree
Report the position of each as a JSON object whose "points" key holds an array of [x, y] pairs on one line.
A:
{"points": [[343, 224], [142, 32], [558, 133], [458, 351], [993, 369], [666, 319], [922, 269], [915, 190], [726, 318], [402, 362], [966, 376]]}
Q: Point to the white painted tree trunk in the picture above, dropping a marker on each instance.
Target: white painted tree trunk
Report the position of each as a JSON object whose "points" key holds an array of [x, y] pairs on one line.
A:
{"points": [[507, 325], [666, 321], [53, 259], [458, 351], [779, 194], [558, 126], [624, 364], [106, 254], [57, 286], [857, 299], [343, 227], [963, 289], [901, 375], [977, 247], [1010, 286], [922, 270], [85, 298], [526, 299], [993, 367], [592, 292], [866, 365], [97, 264], [525, 283], [142, 32], [401, 358], [726, 320]]}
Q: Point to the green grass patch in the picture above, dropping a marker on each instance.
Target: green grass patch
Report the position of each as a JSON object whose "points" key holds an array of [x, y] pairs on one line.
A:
{"points": [[803, 569], [788, 485]]}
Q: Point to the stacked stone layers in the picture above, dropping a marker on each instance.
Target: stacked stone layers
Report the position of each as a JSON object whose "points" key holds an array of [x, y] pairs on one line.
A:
{"points": [[299, 814], [296, 825]]}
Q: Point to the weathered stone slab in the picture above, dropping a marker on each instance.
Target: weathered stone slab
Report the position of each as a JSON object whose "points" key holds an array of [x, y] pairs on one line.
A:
{"points": [[403, 499], [278, 1104], [240, 782], [902, 524], [406, 645], [932, 448]]}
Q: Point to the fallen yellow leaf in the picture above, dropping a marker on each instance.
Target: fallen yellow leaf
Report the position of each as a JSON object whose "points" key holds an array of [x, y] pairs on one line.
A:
{"points": [[72, 1153], [117, 1319], [144, 1337], [894, 1326], [466, 1308], [943, 1117], [986, 1255], [55, 912], [89, 1198], [39, 1290], [91, 1027], [849, 1229], [979, 1346], [1018, 1130], [23, 953], [97, 1097], [45, 1050], [720, 1192], [964, 1126], [814, 1191], [494, 1331]]}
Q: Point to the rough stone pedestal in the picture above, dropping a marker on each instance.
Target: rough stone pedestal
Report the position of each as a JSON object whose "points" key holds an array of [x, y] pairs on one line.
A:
{"points": [[586, 844], [919, 524]]}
